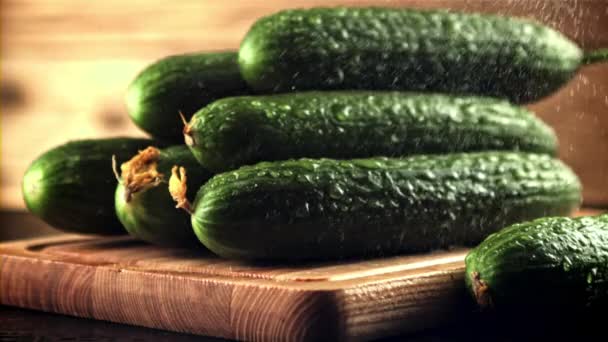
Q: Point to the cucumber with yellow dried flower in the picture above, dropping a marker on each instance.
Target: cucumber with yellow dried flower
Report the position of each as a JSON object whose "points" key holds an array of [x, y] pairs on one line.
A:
{"points": [[144, 204]]}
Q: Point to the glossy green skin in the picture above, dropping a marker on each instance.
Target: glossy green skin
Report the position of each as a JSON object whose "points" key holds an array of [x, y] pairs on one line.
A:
{"points": [[183, 83], [325, 209], [406, 49], [151, 214], [71, 187], [555, 265], [237, 131]]}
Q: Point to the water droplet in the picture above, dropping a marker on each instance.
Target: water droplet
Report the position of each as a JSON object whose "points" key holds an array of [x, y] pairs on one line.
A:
{"points": [[336, 191], [262, 173], [430, 175]]}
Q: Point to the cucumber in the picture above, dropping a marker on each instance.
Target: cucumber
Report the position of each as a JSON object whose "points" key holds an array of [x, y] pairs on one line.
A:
{"points": [[181, 83], [243, 130], [553, 265], [145, 207], [409, 49], [325, 208], [71, 187]]}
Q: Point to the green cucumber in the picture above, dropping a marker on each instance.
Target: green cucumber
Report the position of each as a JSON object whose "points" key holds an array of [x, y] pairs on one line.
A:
{"points": [[553, 265], [324, 208], [144, 204], [243, 130], [71, 187], [409, 49], [181, 83]]}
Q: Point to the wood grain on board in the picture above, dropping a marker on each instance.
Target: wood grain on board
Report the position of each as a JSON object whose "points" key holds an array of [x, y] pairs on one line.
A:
{"points": [[125, 281], [66, 64], [122, 280]]}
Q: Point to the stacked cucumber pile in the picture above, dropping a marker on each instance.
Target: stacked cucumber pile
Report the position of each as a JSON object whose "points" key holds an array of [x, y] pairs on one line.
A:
{"points": [[332, 133]]}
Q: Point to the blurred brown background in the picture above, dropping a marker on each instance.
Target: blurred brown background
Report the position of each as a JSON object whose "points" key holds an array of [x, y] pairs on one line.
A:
{"points": [[66, 64]]}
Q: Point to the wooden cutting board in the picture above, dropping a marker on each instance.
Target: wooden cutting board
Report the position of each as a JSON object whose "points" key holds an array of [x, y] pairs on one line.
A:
{"points": [[126, 281]]}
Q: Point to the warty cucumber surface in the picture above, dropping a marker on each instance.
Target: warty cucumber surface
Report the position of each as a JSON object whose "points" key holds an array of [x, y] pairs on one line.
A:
{"points": [[556, 266], [244, 130], [181, 84], [325, 209], [71, 186], [409, 49]]}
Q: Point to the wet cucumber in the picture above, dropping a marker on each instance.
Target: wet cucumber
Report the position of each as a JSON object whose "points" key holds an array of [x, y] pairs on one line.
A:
{"points": [[181, 83], [71, 187], [143, 202], [243, 130], [408, 49], [324, 208], [549, 266]]}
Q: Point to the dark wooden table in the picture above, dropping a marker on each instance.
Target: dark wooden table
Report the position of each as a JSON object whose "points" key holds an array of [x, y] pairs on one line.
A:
{"points": [[26, 325]]}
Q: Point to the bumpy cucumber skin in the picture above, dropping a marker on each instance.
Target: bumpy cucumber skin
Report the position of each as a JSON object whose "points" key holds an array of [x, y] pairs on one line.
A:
{"points": [[151, 214], [181, 83], [71, 187], [553, 265], [320, 209], [406, 49], [243, 130]]}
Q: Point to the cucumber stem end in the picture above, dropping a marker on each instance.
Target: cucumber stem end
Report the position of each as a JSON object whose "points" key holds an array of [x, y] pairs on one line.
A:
{"points": [[187, 131], [481, 291], [596, 56]]}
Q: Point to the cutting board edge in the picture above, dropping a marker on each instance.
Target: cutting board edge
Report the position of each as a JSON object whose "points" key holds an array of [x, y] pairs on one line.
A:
{"points": [[345, 314]]}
